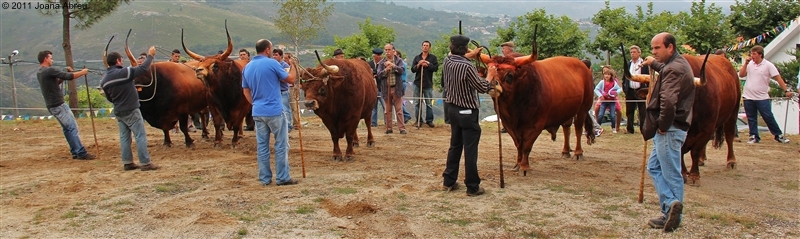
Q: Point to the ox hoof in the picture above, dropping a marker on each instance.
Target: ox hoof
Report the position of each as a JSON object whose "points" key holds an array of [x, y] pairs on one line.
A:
{"points": [[217, 145], [579, 157], [695, 182], [348, 158], [515, 168], [355, 144], [337, 158], [685, 179], [233, 146], [701, 163], [566, 155], [168, 144], [731, 165], [371, 144]]}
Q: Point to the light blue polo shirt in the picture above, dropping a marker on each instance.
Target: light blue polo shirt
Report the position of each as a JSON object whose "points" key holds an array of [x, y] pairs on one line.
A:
{"points": [[263, 76]]}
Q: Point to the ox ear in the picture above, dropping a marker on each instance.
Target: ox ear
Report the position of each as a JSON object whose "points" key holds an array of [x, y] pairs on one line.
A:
{"points": [[524, 60]]}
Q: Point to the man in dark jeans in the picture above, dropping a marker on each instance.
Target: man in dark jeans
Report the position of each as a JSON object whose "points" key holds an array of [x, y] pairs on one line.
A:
{"points": [[424, 65], [632, 101]]}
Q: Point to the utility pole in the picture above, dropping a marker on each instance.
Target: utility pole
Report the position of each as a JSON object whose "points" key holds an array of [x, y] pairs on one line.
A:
{"points": [[13, 83]]}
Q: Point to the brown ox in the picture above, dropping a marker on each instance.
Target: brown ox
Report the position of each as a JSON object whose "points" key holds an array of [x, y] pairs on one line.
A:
{"points": [[716, 105], [168, 93], [226, 100], [539, 95], [341, 93]]}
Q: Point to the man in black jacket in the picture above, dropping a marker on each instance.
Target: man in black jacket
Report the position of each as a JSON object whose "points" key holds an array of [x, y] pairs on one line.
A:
{"points": [[119, 87], [423, 66], [669, 117], [632, 101]]}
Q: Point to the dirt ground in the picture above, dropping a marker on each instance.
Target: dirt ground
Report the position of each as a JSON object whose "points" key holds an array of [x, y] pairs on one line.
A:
{"points": [[391, 190]]}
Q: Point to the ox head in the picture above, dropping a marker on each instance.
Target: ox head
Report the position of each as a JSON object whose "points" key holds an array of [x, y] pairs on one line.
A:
{"points": [[317, 87], [508, 66], [208, 65]]}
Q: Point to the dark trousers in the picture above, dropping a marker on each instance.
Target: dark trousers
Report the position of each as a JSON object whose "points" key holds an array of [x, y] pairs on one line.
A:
{"points": [[630, 110], [465, 134]]}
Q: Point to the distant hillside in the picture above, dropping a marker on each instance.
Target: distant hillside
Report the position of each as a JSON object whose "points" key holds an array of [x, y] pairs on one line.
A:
{"points": [[159, 23]]}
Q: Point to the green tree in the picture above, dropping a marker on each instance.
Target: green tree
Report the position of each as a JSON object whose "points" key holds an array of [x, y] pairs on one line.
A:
{"points": [[301, 20], [752, 18], [557, 36], [86, 14], [706, 27], [788, 72], [361, 43], [440, 48], [98, 100]]}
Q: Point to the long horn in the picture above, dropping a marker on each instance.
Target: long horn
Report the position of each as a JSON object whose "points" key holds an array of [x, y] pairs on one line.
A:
{"points": [[535, 51], [627, 69], [328, 69], [190, 53], [703, 68], [128, 50], [230, 43], [105, 52]]}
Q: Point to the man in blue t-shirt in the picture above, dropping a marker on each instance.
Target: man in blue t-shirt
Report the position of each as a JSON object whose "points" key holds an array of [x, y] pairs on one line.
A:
{"points": [[261, 82]]}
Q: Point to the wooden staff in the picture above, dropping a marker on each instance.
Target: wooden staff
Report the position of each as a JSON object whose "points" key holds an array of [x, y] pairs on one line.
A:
{"points": [[296, 63], [91, 113], [644, 150], [499, 143], [422, 98]]}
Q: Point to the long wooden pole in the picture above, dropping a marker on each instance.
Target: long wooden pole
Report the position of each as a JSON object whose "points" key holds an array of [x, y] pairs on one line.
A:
{"points": [[644, 150], [91, 113], [422, 98], [296, 63]]}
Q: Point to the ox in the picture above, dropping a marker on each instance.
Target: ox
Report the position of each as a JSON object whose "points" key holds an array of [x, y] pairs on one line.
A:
{"points": [[223, 78], [168, 93], [539, 95], [341, 93], [717, 99]]}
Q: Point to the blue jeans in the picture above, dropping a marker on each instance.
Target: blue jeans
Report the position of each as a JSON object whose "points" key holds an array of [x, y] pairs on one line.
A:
{"points": [[287, 109], [63, 114], [664, 166], [428, 95], [277, 126], [132, 122], [752, 108], [375, 111], [406, 115], [611, 106]]}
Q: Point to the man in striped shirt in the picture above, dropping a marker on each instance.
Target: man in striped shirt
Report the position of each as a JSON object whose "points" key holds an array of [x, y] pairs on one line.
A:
{"points": [[462, 84]]}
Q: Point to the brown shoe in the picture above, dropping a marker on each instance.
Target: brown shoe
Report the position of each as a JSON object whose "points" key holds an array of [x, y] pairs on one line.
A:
{"points": [[87, 156], [657, 223], [290, 182], [476, 193], [451, 187], [673, 217], [149, 167], [130, 166], [430, 124]]}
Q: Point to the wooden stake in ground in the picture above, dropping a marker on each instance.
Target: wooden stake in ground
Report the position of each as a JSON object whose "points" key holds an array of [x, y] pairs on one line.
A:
{"points": [[499, 138], [644, 151], [421, 98], [91, 113]]}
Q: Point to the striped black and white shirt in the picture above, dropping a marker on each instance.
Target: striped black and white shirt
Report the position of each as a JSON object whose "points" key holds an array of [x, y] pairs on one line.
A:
{"points": [[462, 82]]}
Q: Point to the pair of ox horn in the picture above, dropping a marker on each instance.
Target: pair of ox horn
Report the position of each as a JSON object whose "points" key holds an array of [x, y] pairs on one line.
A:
{"points": [[522, 60], [198, 57], [127, 51]]}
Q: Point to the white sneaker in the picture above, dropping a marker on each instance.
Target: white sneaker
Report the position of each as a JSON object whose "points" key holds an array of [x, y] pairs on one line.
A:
{"points": [[781, 139], [614, 131]]}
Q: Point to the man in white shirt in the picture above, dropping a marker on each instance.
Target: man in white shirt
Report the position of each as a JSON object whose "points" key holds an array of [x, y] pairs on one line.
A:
{"points": [[758, 72], [633, 102]]}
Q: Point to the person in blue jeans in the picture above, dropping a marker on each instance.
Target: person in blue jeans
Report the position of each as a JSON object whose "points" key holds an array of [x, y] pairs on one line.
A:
{"points": [[277, 54], [119, 88], [607, 91], [261, 81], [49, 80], [758, 72], [669, 117], [377, 56]]}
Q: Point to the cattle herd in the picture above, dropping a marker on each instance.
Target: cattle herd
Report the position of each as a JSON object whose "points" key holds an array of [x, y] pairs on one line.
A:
{"points": [[536, 95]]}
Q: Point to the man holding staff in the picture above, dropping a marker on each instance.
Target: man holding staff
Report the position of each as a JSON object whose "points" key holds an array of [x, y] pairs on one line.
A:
{"points": [[669, 116]]}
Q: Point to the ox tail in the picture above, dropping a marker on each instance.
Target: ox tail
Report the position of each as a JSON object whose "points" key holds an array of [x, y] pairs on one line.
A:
{"points": [[588, 128], [719, 137]]}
